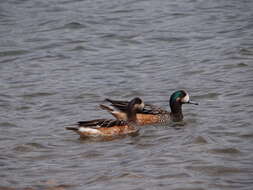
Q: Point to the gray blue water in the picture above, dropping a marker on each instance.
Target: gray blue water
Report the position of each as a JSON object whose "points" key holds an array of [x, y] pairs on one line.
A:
{"points": [[60, 58]]}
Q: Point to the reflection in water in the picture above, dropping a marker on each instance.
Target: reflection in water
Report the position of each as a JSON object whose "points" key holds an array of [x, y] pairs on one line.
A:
{"points": [[107, 138]]}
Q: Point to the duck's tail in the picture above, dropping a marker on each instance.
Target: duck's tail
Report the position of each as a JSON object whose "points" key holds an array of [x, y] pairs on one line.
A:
{"points": [[117, 114], [107, 108], [72, 128]]}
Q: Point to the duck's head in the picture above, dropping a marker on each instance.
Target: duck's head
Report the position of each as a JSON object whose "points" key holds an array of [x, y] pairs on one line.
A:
{"points": [[136, 104], [181, 97]]}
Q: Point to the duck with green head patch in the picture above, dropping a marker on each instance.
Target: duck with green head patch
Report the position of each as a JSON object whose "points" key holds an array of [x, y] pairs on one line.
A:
{"points": [[151, 114]]}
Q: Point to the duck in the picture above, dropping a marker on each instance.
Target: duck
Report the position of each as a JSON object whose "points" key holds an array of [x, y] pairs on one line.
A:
{"points": [[111, 127], [151, 114]]}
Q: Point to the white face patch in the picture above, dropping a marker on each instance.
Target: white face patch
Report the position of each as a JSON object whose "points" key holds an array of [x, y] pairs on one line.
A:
{"points": [[88, 130], [142, 105], [139, 106], [185, 99]]}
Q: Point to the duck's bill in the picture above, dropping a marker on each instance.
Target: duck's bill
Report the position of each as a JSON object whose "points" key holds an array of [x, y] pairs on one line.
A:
{"points": [[192, 102]]}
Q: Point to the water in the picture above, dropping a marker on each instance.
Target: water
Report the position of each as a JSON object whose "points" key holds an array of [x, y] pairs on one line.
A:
{"points": [[60, 59]]}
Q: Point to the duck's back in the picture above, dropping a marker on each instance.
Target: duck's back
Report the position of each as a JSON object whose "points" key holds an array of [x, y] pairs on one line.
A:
{"points": [[149, 115]]}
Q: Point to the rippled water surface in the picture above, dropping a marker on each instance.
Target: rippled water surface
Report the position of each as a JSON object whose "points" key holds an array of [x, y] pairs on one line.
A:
{"points": [[60, 58]]}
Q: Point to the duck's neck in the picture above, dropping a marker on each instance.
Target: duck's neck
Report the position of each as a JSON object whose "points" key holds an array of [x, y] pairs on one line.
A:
{"points": [[176, 111], [131, 115]]}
